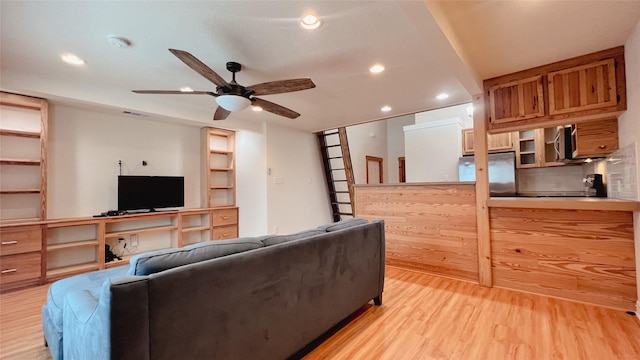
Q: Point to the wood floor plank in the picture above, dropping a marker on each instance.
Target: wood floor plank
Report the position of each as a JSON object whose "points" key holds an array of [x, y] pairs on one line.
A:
{"points": [[422, 317]]}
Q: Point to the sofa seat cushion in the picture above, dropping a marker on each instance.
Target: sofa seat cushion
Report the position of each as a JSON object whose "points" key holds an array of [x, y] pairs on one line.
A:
{"points": [[91, 281], [156, 261], [269, 240], [343, 224]]}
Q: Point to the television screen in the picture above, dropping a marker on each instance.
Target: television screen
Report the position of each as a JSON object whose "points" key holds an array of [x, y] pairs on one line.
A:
{"points": [[150, 192]]}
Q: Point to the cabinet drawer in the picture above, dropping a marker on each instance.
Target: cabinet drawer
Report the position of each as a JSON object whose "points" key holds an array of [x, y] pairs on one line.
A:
{"points": [[20, 240], [224, 217], [224, 232], [16, 268]]}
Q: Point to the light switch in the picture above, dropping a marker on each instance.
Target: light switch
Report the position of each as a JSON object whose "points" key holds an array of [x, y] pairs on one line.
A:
{"points": [[278, 180]]}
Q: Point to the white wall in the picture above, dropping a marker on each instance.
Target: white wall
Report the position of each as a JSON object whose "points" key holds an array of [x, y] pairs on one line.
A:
{"points": [[395, 144], [251, 181], [451, 112], [432, 150], [296, 192], [369, 139], [85, 146], [629, 123]]}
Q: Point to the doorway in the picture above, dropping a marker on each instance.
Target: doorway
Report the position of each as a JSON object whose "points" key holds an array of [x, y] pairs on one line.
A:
{"points": [[402, 172], [374, 170]]}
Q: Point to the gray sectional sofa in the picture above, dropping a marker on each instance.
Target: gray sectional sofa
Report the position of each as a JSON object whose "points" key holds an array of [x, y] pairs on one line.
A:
{"points": [[246, 298]]}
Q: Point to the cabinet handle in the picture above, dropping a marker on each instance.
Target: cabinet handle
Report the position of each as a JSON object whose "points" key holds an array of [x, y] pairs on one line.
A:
{"points": [[225, 218], [602, 147], [10, 242], [225, 235], [8, 271]]}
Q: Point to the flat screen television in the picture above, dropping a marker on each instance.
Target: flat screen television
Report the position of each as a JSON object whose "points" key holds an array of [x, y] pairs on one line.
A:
{"points": [[150, 192]]}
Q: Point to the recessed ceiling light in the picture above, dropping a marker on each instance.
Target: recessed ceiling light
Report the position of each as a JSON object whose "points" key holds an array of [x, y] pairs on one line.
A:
{"points": [[186, 89], [377, 68], [385, 108], [72, 59], [310, 22], [256, 108], [442, 96]]}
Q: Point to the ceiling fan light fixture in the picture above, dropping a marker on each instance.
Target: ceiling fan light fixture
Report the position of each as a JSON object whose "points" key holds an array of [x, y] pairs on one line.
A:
{"points": [[310, 22], [233, 102], [256, 108], [442, 96], [186, 89]]}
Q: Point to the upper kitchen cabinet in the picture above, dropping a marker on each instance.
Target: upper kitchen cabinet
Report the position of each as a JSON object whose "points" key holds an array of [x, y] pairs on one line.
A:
{"points": [[586, 87], [516, 100], [594, 138], [495, 142], [580, 89]]}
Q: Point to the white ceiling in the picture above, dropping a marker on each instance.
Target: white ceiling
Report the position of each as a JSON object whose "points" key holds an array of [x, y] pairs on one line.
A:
{"points": [[426, 47]]}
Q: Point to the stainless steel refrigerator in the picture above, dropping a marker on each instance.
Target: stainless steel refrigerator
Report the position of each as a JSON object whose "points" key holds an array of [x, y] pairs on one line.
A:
{"points": [[502, 172]]}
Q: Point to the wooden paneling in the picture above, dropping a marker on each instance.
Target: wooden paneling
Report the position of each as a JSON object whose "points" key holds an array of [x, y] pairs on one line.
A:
{"points": [[580, 255], [429, 227]]}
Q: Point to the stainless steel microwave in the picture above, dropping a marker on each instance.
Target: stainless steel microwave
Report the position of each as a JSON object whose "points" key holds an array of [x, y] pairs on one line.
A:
{"points": [[562, 144]]}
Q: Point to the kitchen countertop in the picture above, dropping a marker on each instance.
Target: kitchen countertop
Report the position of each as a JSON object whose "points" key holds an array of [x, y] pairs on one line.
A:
{"points": [[568, 203], [443, 183]]}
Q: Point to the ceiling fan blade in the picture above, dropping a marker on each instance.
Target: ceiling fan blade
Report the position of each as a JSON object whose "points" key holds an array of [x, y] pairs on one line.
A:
{"points": [[175, 92], [200, 67], [281, 86], [221, 113], [274, 108]]}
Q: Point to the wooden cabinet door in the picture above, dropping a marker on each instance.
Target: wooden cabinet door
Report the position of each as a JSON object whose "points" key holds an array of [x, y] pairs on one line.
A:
{"points": [[467, 142], [499, 142], [584, 87], [595, 138], [495, 142], [517, 100]]}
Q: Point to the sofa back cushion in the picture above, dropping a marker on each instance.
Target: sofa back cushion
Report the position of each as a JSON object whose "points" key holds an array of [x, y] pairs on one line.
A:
{"points": [[155, 261], [269, 240], [342, 224]]}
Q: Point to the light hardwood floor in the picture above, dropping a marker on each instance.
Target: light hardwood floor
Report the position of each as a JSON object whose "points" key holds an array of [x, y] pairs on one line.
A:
{"points": [[422, 317]]}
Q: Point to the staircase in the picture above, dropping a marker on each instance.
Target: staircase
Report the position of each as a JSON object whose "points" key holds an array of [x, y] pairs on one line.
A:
{"points": [[338, 172]]}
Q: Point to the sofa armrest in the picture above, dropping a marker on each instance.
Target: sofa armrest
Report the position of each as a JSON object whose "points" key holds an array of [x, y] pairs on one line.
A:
{"points": [[86, 325], [89, 323], [82, 305]]}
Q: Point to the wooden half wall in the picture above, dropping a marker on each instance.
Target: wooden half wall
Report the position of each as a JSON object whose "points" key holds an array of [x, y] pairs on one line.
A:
{"points": [[428, 227], [581, 255]]}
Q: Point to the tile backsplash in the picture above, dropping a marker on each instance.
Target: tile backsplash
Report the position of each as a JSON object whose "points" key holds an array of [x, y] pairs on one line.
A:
{"points": [[559, 178], [621, 173]]}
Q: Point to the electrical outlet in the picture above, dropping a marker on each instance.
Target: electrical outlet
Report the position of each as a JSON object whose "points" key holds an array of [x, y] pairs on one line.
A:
{"points": [[133, 239]]}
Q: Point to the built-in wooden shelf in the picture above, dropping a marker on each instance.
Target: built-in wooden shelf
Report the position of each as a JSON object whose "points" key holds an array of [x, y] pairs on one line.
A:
{"points": [[71, 245], [222, 187], [19, 162], [195, 228], [222, 152], [21, 191], [221, 169], [20, 133], [141, 230], [114, 263], [71, 270]]}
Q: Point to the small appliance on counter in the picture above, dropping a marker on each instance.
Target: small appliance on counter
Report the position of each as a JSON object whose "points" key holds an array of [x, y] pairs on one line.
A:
{"points": [[594, 186]]}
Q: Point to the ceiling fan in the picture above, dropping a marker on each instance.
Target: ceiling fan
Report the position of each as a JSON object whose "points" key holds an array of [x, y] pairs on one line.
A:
{"points": [[232, 96]]}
